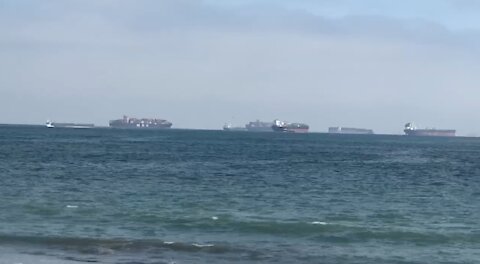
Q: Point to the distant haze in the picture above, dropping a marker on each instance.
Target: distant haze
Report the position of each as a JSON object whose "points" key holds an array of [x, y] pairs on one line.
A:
{"points": [[200, 64]]}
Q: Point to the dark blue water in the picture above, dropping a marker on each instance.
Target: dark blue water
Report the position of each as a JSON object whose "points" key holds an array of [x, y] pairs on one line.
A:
{"points": [[173, 196]]}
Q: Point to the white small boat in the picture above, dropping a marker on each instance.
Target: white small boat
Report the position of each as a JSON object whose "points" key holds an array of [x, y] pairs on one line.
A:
{"points": [[49, 124]]}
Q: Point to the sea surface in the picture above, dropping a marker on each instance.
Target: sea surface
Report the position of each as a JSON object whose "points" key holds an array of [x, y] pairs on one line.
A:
{"points": [[181, 196]]}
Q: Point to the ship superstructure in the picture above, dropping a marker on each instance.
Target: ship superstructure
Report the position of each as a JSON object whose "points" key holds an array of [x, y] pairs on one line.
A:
{"points": [[282, 126], [412, 130], [140, 123]]}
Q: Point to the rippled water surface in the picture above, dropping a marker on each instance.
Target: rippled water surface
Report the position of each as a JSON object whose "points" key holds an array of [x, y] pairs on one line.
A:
{"points": [[179, 196]]}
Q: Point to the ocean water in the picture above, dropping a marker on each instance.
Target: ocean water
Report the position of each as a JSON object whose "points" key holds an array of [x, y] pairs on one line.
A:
{"points": [[180, 196]]}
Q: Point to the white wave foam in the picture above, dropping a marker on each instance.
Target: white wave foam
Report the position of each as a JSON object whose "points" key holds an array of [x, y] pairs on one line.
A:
{"points": [[202, 245], [72, 206], [318, 223], [168, 242], [214, 218]]}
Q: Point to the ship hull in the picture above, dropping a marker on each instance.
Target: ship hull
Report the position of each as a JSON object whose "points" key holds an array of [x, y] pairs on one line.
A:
{"points": [[351, 131], [430, 133], [69, 125], [234, 129], [259, 129], [141, 126], [297, 130]]}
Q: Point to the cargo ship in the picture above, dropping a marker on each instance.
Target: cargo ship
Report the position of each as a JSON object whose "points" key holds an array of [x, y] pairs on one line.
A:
{"points": [[140, 123], [259, 126], [50, 124], [282, 126], [411, 130], [350, 130]]}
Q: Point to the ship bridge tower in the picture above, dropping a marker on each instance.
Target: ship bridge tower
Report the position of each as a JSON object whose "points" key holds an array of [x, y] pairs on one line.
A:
{"points": [[410, 126]]}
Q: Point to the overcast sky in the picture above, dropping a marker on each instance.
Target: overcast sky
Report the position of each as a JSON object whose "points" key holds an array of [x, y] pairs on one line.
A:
{"points": [[372, 63]]}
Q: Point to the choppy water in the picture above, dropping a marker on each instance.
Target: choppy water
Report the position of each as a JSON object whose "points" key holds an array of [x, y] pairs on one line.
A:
{"points": [[125, 196]]}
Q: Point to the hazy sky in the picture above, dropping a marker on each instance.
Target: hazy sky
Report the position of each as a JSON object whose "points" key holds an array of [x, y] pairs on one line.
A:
{"points": [[372, 63]]}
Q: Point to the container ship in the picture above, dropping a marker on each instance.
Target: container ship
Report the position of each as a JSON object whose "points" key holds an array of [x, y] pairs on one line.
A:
{"points": [[140, 123], [51, 124], [259, 126], [411, 130], [282, 126], [349, 130]]}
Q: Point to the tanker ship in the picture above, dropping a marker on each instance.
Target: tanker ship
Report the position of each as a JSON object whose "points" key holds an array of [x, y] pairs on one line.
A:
{"points": [[230, 127], [140, 123], [349, 130], [411, 130], [281, 126], [51, 124]]}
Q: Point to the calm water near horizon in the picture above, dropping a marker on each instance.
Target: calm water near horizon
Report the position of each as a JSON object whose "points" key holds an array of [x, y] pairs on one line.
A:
{"points": [[186, 196]]}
